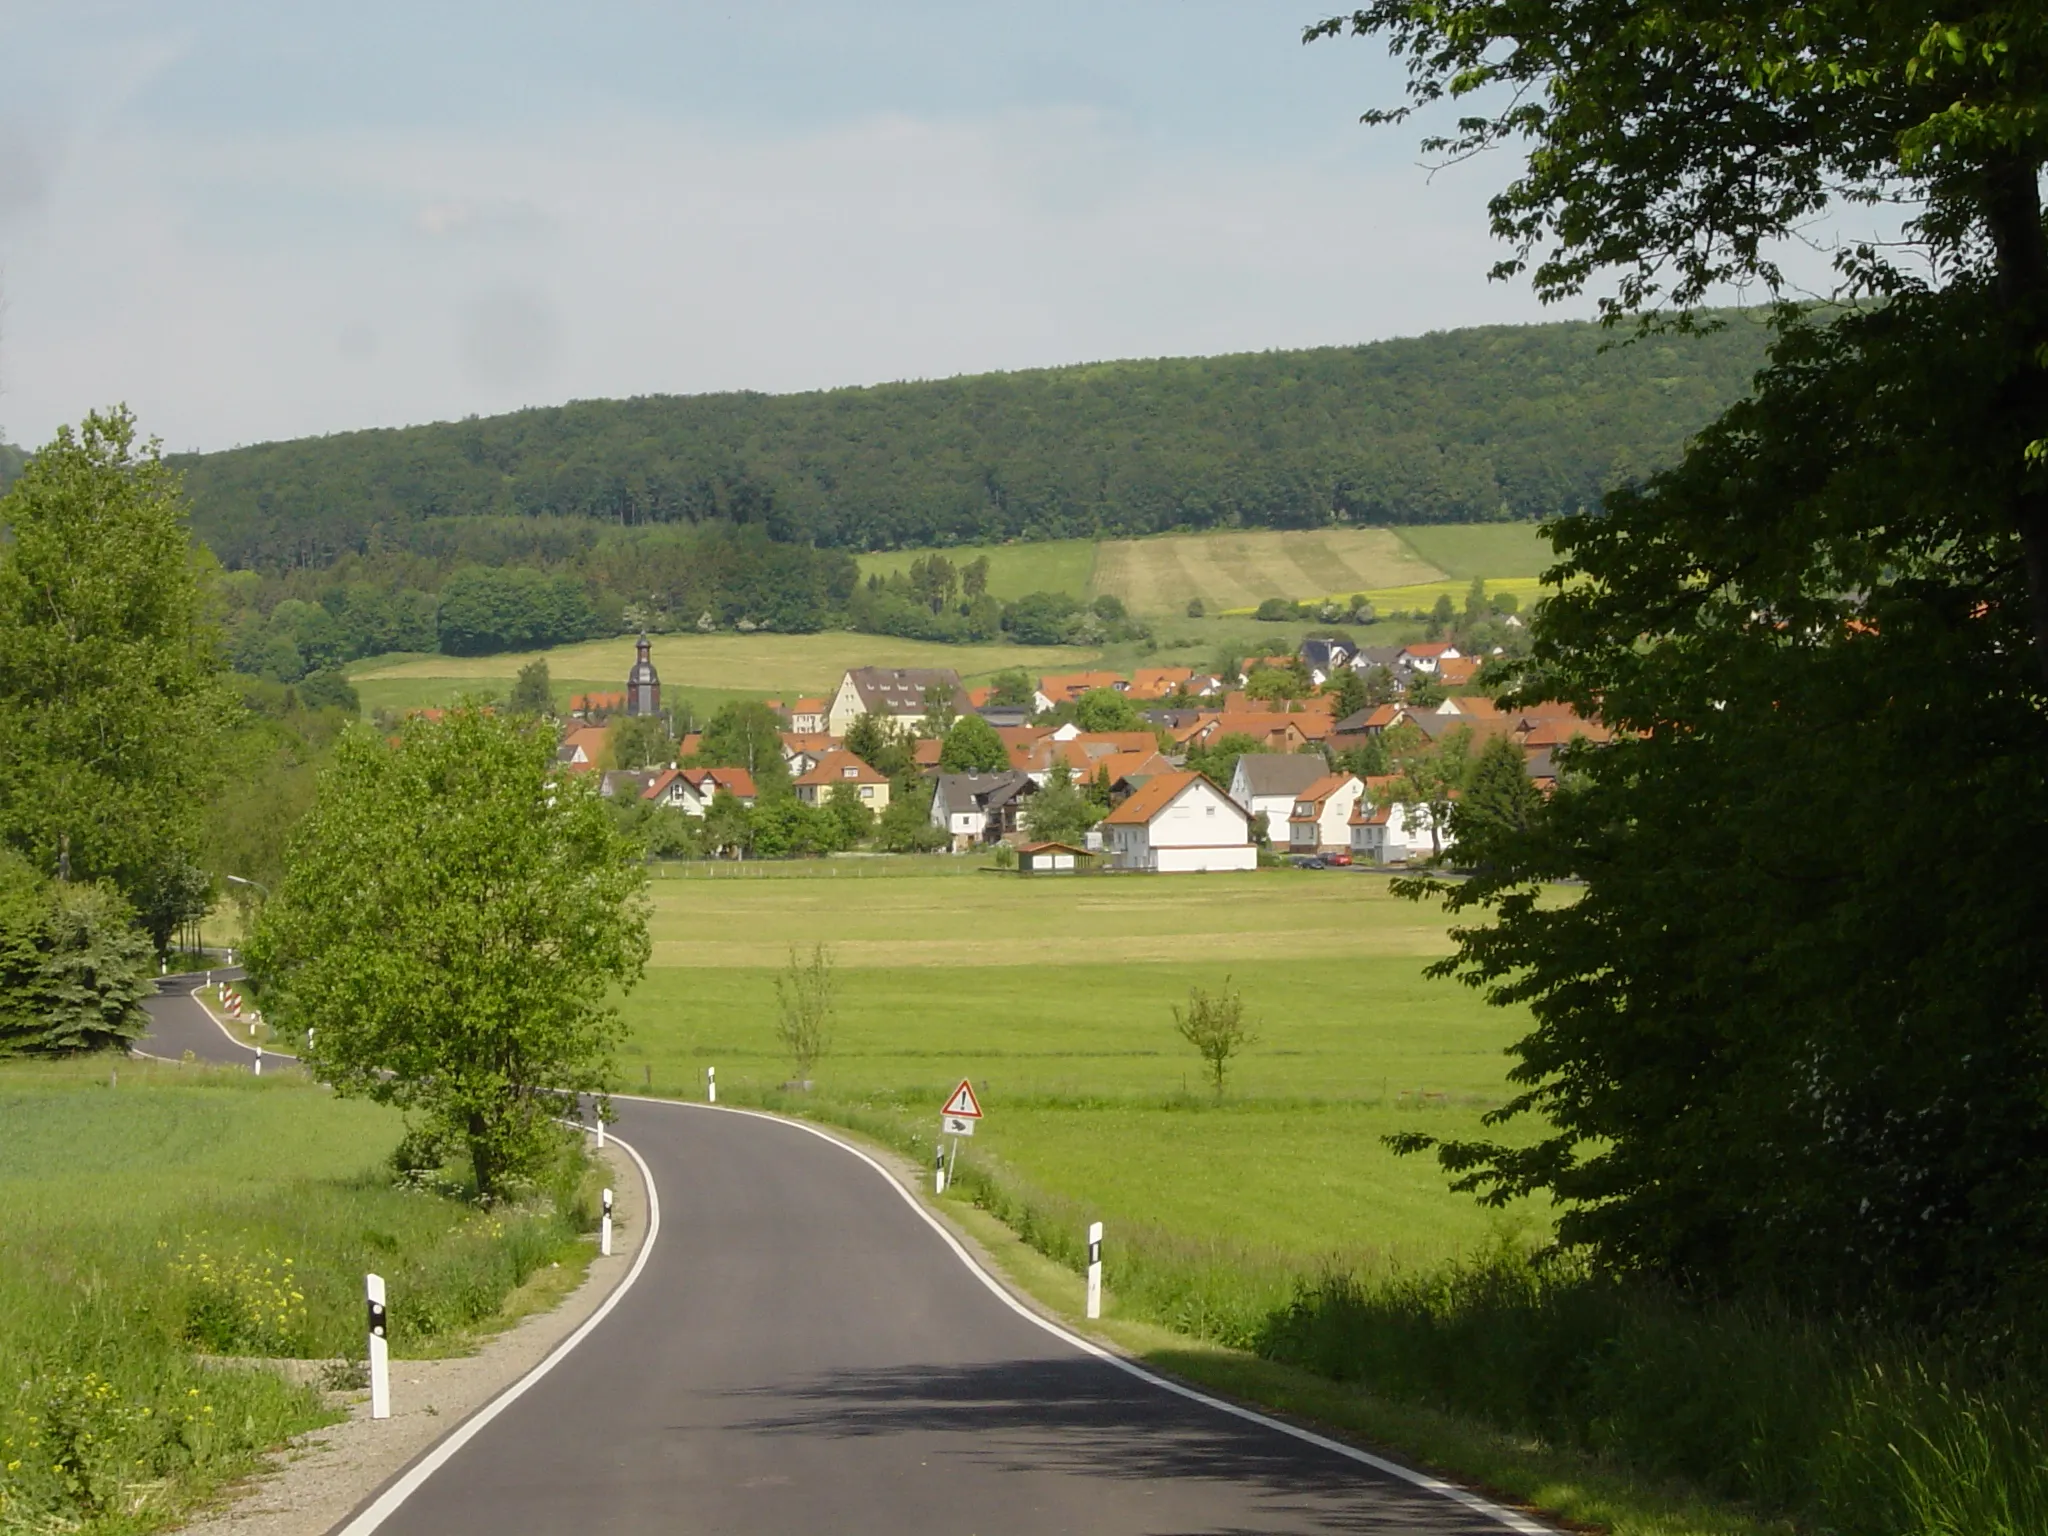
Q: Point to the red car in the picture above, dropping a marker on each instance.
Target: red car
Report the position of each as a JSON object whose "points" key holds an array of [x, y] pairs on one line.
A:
{"points": [[1340, 860]]}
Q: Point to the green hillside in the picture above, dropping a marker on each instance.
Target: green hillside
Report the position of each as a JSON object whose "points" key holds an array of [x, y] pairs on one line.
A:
{"points": [[1492, 424]]}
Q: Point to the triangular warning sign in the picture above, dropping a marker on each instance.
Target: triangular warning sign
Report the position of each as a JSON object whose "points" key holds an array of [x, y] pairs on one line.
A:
{"points": [[963, 1103]]}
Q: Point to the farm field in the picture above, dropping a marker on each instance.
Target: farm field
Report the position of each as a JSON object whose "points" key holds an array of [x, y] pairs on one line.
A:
{"points": [[1422, 596], [729, 664], [1492, 550], [1057, 565], [1055, 997], [1241, 568]]}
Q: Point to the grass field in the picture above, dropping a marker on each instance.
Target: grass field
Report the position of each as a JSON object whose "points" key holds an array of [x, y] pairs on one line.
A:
{"points": [[1465, 550], [1241, 568], [1055, 997], [182, 1210], [1422, 596], [1057, 565], [707, 667]]}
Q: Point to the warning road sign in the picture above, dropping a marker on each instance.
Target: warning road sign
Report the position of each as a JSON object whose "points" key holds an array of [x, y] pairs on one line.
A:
{"points": [[955, 1125], [963, 1103]]}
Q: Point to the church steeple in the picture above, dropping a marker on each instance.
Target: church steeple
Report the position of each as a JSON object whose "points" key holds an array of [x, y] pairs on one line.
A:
{"points": [[643, 687]]}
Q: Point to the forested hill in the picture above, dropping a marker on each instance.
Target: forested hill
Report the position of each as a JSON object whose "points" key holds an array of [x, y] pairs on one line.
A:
{"points": [[1501, 422]]}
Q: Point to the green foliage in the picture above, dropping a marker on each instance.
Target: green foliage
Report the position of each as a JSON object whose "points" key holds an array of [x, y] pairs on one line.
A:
{"points": [[1466, 426], [331, 690], [906, 826], [1761, 943], [973, 746], [856, 822], [1105, 709], [1195, 608], [728, 825], [1498, 796], [639, 741], [484, 610], [1218, 759], [746, 733], [1271, 684], [1277, 610], [452, 920], [533, 693], [1058, 813], [1349, 691], [1014, 687], [73, 969], [940, 709], [803, 1007], [1215, 1025], [111, 709]]}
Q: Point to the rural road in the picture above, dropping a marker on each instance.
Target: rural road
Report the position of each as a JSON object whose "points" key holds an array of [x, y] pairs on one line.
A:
{"points": [[803, 1353], [177, 1024]]}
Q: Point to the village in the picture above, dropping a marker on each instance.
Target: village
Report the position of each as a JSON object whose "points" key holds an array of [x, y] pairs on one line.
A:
{"points": [[1335, 756]]}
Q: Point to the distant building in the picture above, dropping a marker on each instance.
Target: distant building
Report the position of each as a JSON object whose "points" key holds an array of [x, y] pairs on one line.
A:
{"points": [[1180, 822], [643, 687], [895, 693]]}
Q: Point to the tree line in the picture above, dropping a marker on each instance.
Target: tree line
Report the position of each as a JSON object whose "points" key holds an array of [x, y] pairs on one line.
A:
{"points": [[1505, 422]]}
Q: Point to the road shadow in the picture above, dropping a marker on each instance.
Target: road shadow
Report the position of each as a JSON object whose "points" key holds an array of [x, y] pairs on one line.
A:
{"points": [[1080, 1417]]}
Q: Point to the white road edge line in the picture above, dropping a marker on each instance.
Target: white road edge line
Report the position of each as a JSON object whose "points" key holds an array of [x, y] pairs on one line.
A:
{"points": [[221, 1024], [387, 1503], [1513, 1520]]}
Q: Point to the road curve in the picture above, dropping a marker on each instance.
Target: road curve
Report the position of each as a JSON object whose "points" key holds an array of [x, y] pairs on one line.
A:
{"points": [[804, 1353], [179, 1023]]}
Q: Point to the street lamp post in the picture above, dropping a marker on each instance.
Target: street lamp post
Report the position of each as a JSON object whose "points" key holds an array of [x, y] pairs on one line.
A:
{"points": [[256, 884]]}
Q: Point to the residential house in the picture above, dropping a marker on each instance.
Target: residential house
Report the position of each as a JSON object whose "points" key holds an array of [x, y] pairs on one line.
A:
{"points": [[803, 750], [839, 766], [1267, 784], [691, 790], [1458, 671], [1179, 823], [1065, 687], [1275, 732], [1326, 658], [1424, 655], [1384, 831], [624, 783], [586, 706], [895, 693], [926, 752], [974, 808], [1004, 716], [807, 716], [581, 748], [1320, 821]]}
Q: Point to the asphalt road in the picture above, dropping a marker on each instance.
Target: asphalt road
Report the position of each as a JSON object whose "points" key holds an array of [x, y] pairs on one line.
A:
{"points": [[178, 1024], [804, 1353]]}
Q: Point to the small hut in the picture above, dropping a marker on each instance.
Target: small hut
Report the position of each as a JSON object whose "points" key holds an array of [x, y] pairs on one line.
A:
{"points": [[1049, 858]]}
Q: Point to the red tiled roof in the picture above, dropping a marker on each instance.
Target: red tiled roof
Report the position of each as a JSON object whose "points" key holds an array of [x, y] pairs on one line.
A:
{"points": [[840, 766]]}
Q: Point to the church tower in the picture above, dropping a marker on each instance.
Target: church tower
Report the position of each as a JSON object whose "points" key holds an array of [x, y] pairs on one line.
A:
{"points": [[643, 688]]}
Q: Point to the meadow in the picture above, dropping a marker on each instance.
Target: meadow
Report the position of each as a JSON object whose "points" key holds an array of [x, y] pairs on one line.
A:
{"points": [[1014, 570], [1493, 550], [1240, 568], [157, 1214], [1055, 996]]}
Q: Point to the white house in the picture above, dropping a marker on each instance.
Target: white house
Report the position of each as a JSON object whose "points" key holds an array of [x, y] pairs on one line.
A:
{"points": [[691, 790], [1266, 784], [974, 808], [897, 693], [1321, 819], [1384, 831], [1178, 823]]}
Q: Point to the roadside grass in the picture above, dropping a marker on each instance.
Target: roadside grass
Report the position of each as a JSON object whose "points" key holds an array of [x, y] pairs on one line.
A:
{"points": [[1240, 568], [1014, 570], [186, 1213], [755, 666], [1267, 1245], [1493, 550]]}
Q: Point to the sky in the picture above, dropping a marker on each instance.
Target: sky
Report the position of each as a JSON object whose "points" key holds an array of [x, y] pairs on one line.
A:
{"points": [[253, 221]]}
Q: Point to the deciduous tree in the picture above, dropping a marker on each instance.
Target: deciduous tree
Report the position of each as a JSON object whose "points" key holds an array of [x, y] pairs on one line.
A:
{"points": [[453, 924], [973, 746]]}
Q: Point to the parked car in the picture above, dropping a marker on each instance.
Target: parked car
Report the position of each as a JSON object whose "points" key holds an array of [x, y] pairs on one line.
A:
{"points": [[1310, 861], [1337, 860]]}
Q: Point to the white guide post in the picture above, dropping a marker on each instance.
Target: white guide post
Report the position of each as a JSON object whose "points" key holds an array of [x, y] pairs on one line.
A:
{"points": [[1095, 1270], [259, 1061], [938, 1168], [600, 1130], [711, 1083], [380, 1350], [604, 1232]]}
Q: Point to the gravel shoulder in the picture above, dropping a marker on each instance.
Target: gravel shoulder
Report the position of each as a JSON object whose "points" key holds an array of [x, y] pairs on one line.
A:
{"points": [[312, 1486]]}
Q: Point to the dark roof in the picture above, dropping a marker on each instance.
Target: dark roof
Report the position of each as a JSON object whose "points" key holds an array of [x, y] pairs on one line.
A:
{"points": [[989, 791], [1539, 765], [1281, 773], [900, 690], [1327, 655]]}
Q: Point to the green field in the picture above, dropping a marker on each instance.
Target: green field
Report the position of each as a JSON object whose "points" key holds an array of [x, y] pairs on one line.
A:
{"points": [[155, 1211], [1465, 550], [1241, 568], [1057, 565], [1054, 996], [705, 667]]}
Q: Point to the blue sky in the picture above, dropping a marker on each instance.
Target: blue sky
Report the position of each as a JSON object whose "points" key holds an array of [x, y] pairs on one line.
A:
{"points": [[256, 221]]}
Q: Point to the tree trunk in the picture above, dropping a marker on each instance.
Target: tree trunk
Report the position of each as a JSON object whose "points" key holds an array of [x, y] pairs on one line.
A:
{"points": [[2013, 217], [483, 1158]]}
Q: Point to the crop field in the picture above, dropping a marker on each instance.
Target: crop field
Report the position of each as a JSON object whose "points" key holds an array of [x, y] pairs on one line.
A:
{"points": [[1422, 596], [1242, 568], [1055, 997], [705, 666], [1057, 565], [1465, 550]]}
